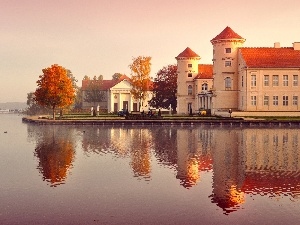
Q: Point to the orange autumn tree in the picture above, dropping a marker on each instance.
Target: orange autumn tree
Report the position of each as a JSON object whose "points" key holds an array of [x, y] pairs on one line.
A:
{"points": [[140, 78], [55, 88]]}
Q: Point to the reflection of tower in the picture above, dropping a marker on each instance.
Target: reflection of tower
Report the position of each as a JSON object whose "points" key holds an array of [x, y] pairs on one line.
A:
{"points": [[227, 179], [187, 164], [193, 155]]}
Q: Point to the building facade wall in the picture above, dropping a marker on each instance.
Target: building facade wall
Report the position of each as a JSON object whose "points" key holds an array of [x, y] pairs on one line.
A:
{"points": [[225, 71], [187, 70]]}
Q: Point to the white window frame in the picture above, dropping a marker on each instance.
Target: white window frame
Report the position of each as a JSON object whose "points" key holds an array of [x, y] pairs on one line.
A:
{"points": [[285, 81], [253, 80], [253, 100], [295, 100], [266, 80], [295, 80], [285, 100], [275, 82], [266, 100], [275, 100]]}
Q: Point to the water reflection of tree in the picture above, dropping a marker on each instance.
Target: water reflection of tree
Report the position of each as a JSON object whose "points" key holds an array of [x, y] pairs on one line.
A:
{"points": [[140, 153], [165, 145], [132, 143], [55, 152]]}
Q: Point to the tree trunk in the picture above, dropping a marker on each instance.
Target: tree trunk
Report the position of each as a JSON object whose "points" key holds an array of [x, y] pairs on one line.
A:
{"points": [[53, 114]]}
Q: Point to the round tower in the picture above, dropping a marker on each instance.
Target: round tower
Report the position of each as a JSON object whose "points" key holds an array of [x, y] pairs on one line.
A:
{"points": [[225, 69], [187, 70]]}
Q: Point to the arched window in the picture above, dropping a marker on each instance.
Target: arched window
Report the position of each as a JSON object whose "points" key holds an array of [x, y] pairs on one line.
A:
{"points": [[204, 87], [190, 90]]}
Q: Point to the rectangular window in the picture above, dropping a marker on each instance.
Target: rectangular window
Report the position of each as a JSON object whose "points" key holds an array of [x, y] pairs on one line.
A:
{"points": [[266, 80], [285, 100], [275, 100], [285, 80], [190, 90], [295, 100], [266, 100], [275, 80], [227, 50], [227, 63], [190, 65], [253, 80], [295, 80], [227, 83], [242, 81], [190, 74], [253, 100]]}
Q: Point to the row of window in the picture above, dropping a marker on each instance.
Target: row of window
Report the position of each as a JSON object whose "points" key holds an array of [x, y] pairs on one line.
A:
{"points": [[204, 87], [275, 100], [275, 80]]}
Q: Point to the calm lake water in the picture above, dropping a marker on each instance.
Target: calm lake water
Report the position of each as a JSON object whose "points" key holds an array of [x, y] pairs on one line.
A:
{"points": [[52, 174]]}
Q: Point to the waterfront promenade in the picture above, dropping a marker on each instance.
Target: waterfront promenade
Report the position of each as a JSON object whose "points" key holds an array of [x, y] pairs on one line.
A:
{"points": [[120, 121]]}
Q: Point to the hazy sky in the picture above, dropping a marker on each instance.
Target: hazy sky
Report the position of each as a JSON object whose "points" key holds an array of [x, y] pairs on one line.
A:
{"points": [[93, 37]]}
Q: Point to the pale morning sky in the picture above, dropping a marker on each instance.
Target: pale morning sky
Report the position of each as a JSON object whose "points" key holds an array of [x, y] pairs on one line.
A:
{"points": [[93, 37]]}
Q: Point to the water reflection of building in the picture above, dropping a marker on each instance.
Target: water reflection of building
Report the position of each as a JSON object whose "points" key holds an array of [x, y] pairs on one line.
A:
{"points": [[134, 143], [272, 165], [254, 161], [193, 155], [227, 171]]}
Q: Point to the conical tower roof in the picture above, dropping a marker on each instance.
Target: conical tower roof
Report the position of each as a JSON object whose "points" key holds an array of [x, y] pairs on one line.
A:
{"points": [[227, 34], [188, 53]]}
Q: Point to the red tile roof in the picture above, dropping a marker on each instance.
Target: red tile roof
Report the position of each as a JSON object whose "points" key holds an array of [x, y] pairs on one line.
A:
{"points": [[271, 57], [205, 71], [227, 33], [107, 84], [188, 53]]}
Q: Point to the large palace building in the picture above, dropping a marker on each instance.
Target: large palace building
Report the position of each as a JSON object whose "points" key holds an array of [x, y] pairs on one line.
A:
{"points": [[249, 81]]}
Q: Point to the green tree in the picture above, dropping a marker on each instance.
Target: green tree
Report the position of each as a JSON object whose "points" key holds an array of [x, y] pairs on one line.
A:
{"points": [[140, 78], [93, 91], [33, 108], [165, 88], [55, 88], [78, 99], [116, 76]]}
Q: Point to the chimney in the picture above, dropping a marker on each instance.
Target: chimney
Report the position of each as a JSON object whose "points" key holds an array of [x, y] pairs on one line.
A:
{"points": [[277, 45], [296, 45]]}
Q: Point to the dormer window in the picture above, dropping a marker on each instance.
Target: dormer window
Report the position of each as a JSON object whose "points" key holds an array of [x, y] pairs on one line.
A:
{"points": [[190, 65], [227, 50]]}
